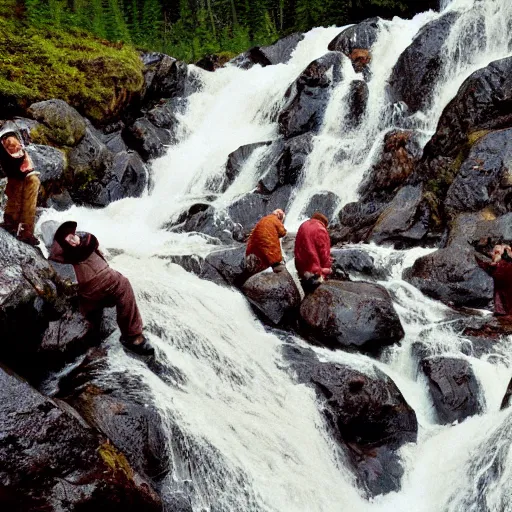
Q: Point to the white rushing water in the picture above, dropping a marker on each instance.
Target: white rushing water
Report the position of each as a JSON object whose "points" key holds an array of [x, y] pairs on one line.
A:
{"points": [[250, 439]]}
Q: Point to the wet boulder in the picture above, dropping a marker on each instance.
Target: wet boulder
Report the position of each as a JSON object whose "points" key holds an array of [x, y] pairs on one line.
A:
{"points": [[225, 266], [130, 173], [419, 66], [484, 179], [356, 221], [63, 125], [117, 407], [357, 102], [50, 162], [506, 398], [52, 460], [453, 387], [277, 53], [483, 102], [366, 414], [114, 141], [351, 315], [452, 276], [398, 159], [349, 261], [405, 221], [308, 96], [274, 295], [356, 42], [147, 139], [323, 202], [293, 159]]}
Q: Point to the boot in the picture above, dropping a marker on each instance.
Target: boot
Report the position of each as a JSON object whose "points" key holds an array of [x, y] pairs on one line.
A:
{"points": [[9, 225], [138, 345], [26, 235]]}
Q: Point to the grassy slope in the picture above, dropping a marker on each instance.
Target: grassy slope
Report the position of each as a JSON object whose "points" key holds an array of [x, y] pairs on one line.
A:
{"points": [[38, 63]]}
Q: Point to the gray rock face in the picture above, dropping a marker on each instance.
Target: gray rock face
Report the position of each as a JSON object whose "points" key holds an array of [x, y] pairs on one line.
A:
{"points": [[342, 314], [225, 266], [66, 126], [51, 460], [325, 202], [277, 53], [357, 101], [366, 413], [485, 177], [307, 97], [90, 156], [352, 260], [403, 220], [418, 67], [275, 295], [50, 162], [147, 139], [452, 276], [453, 387]]}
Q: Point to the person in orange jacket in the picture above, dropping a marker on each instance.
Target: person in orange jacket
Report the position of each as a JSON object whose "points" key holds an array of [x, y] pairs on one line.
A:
{"points": [[313, 252], [263, 247]]}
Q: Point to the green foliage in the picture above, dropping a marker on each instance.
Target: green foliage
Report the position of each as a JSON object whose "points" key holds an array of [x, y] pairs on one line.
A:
{"points": [[38, 63]]}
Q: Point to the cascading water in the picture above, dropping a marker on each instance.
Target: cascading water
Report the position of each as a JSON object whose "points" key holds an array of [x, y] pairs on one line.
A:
{"points": [[244, 436]]}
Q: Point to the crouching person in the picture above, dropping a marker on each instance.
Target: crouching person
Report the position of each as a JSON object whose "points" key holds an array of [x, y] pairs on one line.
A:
{"points": [[263, 247], [100, 286], [313, 252]]}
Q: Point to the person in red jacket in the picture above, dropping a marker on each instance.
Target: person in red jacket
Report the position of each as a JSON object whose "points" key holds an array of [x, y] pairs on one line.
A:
{"points": [[313, 252], [100, 286], [263, 247], [500, 269]]}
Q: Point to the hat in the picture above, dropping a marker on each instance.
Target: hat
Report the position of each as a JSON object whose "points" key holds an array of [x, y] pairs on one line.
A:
{"points": [[321, 217], [65, 229]]}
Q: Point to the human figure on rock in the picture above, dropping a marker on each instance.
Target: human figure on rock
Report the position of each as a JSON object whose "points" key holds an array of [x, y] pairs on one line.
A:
{"points": [[263, 247], [313, 252], [100, 286], [22, 186], [500, 269]]}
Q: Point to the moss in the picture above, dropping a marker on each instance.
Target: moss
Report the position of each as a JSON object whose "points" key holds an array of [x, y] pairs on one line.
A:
{"points": [[115, 460], [98, 78]]}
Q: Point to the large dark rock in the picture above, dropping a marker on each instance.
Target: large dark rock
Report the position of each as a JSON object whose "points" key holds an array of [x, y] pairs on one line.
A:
{"points": [[293, 159], [452, 276], [483, 102], [164, 77], [400, 155], [225, 266], [356, 42], [130, 173], [64, 125], [275, 295], [356, 221], [118, 408], [249, 209], [147, 139], [418, 67], [352, 260], [357, 101], [405, 221], [484, 179], [355, 315], [324, 202], [52, 460], [50, 162], [366, 414], [277, 53], [307, 97], [453, 387]]}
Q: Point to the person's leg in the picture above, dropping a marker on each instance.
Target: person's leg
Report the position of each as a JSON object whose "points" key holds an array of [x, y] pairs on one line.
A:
{"points": [[14, 193], [28, 209], [128, 315]]}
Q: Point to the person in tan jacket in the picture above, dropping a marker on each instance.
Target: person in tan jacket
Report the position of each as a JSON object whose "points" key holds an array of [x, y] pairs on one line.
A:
{"points": [[100, 286], [22, 187], [263, 247]]}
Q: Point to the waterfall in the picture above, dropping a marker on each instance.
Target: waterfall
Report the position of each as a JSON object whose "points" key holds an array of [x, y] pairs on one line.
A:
{"points": [[256, 439]]}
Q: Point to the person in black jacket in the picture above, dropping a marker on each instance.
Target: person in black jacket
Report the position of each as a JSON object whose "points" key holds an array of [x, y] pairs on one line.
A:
{"points": [[22, 186]]}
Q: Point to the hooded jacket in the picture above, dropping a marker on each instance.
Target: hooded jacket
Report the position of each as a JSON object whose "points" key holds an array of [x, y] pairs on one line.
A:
{"points": [[11, 165], [264, 240], [312, 248], [88, 262]]}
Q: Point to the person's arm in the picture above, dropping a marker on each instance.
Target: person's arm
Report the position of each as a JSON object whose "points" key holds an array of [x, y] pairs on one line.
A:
{"points": [[324, 252], [488, 266]]}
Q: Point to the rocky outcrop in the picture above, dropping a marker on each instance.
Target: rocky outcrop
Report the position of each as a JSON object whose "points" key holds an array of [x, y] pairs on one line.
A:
{"points": [[419, 66], [356, 42], [307, 97], [324, 202], [352, 260], [61, 124], [225, 266], [350, 315], [274, 295], [366, 413], [277, 53], [452, 276], [453, 387], [51, 459], [147, 139]]}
